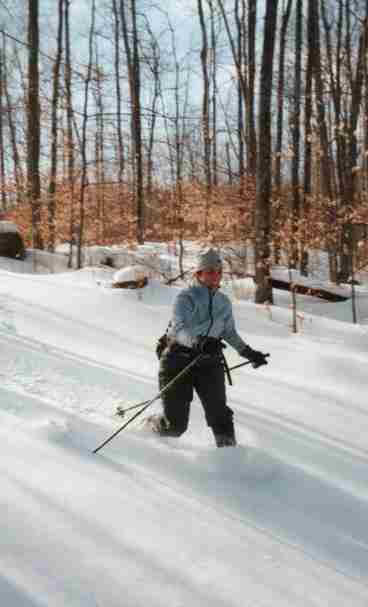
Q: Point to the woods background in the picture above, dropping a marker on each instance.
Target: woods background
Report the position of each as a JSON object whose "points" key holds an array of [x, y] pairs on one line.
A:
{"points": [[226, 121]]}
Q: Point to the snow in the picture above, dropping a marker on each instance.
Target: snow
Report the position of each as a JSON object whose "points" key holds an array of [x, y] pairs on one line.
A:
{"points": [[8, 227], [281, 520], [130, 273]]}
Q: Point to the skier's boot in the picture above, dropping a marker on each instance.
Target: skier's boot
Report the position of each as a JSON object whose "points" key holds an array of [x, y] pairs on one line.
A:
{"points": [[157, 423], [225, 435], [225, 440]]}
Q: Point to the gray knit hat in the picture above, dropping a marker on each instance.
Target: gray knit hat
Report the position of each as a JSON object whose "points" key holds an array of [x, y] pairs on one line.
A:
{"points": [[209, 260]]}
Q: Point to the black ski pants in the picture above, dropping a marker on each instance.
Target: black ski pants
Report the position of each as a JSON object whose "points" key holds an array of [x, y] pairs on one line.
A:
{"points": [[207, 378]]}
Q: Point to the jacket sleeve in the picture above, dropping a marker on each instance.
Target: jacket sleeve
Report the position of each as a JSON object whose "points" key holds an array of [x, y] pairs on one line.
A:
{"points": [[231, 336], [183, 328]]}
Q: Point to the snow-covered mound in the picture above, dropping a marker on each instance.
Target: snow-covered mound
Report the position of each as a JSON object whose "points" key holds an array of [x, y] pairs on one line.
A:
{"points": [[8, 227], [130, 274]]}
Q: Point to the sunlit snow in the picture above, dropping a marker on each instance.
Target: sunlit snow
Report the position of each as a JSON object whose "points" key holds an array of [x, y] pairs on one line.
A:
{"points": [[279, 521]]}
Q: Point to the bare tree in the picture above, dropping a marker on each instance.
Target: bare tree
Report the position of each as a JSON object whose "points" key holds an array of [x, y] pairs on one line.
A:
{"points": [[307, 165], [264, 162], [100, 147], [12, 129], [131, 44], [326, 175], [245, 64], [239, 10], [296, 112], [214, 70], [2, 141], [153, 60], [121, 157], [251, 122], [205, 98], [280, 128], [69, 128], [84, 174], [281, 94], [54, 128], [33, 124]]}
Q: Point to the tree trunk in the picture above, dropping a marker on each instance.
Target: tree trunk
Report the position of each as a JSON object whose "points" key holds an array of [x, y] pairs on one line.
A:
{"points": [[252, 62], [121, 158], [326, 176], [241, 34], [54, 130], [2, 143], [308, 110], [347, 254], [154, 65], [205, 109], [33, 125], [280, 96], [295, 164], [17, 168], [100, 152], [279, 131], [213, 138], [84, 175], [264, 163], [134, 77], [69, 129]]}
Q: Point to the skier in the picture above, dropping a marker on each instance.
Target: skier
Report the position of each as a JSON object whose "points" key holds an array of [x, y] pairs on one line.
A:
{"points": [[202, 317]]}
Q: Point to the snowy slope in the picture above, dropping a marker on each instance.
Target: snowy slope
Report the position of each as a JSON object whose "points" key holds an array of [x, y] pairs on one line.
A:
{"points": [[281, 520]]}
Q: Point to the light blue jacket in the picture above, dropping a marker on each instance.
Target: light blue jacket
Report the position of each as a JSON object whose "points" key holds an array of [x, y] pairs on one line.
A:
{"points": [[193, 310]]}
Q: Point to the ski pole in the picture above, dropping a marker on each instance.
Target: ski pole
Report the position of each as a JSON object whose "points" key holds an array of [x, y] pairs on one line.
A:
{"points": [[121, 411], [121, 428], [150, 402], [246, 363]]}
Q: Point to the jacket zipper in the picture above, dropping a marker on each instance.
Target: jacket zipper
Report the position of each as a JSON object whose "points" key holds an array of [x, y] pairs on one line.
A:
{"points": [[210, 309]]}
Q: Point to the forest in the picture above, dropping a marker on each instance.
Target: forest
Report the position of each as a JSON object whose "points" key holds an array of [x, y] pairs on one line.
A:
{"points": [[237, 122]]}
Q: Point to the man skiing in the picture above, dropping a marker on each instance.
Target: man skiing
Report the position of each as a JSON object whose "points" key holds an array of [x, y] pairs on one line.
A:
{"points": [[202, 317]]}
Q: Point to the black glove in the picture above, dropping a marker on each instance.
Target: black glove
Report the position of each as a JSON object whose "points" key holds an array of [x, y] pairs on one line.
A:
{"points": [[256, 358], [210, 345]]}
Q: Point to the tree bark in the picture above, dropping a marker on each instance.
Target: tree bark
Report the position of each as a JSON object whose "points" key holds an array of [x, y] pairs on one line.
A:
{"points": [[100, 151], [54, 130], [213, 138], [205, 109], [153, 61], [264, 162], [308, 111], [252, 62], [69, 130], [134, 78], [2, 142], [121, 157], [326, 176], [281, 95], [295, 164], [33, 125], [280, 130], [241, 35], [84, 174]]}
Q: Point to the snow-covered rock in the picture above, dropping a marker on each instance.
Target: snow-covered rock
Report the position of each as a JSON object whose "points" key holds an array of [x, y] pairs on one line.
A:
{"points": [[130, 274], [8, 227]]}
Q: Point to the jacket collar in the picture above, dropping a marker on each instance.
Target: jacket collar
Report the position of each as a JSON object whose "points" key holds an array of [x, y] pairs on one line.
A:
{"points": [[197, 283]]}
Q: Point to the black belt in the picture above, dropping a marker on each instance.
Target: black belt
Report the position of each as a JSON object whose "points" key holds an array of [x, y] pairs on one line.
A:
{"points": [[176, 347]]}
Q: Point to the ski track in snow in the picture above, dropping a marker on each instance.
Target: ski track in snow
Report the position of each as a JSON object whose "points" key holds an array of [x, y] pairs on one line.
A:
{"points": [[303, 462]]}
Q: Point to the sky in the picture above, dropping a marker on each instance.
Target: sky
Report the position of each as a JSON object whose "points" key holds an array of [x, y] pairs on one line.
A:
{"points": [[280, 520]]}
